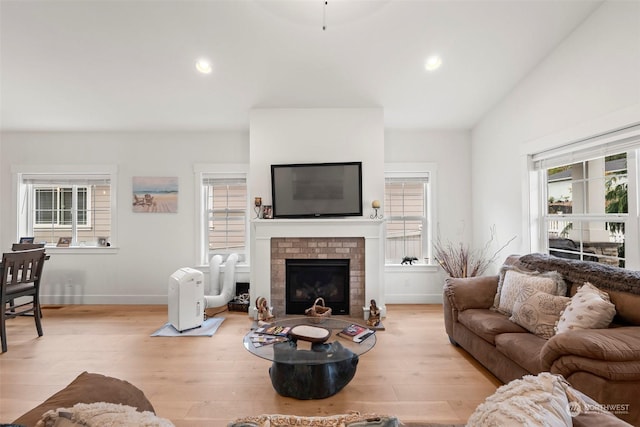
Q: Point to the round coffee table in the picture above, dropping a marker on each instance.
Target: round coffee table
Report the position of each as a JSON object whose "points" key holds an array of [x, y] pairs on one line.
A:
{"points": [[314, 364]]}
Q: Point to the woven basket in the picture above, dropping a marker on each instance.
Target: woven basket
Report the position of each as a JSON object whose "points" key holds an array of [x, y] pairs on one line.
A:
{"points": [[318, 313]]}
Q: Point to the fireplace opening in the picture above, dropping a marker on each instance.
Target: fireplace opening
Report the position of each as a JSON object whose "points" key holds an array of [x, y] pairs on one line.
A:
{"points": [[308, 279]]}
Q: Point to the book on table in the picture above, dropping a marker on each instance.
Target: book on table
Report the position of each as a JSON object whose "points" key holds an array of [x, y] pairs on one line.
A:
{"points": [[280, 331], [259, 340], [356, 333]]}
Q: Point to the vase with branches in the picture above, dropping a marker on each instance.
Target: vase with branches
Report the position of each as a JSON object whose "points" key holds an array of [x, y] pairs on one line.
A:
{"points": [[460, 260]]}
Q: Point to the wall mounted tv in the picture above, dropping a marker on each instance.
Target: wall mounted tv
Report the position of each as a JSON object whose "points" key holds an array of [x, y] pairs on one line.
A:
{"points": [[316, 190]]}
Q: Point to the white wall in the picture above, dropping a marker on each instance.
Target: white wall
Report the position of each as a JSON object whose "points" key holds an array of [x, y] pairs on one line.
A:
{"points": [[589, 84], [449, 151], [307, 135], [150, 246]]}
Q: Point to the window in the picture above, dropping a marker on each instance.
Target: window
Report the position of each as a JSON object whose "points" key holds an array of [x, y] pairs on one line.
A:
{"points": [[583, 202], [53, 206], [224, 201], [406, 210], [74, 207]]}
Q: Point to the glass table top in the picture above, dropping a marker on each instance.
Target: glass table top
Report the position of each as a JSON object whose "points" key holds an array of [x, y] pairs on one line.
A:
{"points": [[300, 351]]}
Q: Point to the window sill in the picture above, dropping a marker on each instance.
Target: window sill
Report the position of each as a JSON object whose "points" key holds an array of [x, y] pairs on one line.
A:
{"points": [[395, 268], [82, 250]]}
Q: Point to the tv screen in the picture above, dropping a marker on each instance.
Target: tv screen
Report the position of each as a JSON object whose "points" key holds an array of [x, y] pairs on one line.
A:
{"points": [[316, 190]]}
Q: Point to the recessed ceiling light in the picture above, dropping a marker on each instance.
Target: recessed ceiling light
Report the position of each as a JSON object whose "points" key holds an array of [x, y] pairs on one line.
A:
{"points": [[433, 63], [203, 66]]}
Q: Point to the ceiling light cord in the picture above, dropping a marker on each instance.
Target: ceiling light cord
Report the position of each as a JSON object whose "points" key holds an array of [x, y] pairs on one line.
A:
{"points": [[324, 16]]}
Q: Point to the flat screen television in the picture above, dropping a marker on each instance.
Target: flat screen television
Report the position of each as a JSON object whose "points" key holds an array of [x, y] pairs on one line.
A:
{"points": [[316, 190]]}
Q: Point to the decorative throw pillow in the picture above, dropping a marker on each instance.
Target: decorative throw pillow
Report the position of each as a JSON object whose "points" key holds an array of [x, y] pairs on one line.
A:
{"points": [[534, 400], [589, 308], [352, 419], [519, 285], [539, 313]]}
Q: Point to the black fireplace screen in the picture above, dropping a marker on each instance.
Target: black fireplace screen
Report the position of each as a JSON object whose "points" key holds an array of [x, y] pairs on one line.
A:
{"points": [[308, 279]]}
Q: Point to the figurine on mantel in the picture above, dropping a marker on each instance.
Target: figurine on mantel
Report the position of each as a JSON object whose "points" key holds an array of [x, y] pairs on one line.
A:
{"points": [[264, 312], [374, 314]]}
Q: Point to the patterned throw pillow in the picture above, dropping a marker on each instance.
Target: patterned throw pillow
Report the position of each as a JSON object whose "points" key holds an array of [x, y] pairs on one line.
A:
{"points": [[539, 313], [589, 308], [518, 286]]}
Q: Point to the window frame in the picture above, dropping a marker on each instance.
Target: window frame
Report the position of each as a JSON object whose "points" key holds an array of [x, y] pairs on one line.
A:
{"points": [[80, 175], [411, 171], [59, 210], [625, 140], [220, 171]]}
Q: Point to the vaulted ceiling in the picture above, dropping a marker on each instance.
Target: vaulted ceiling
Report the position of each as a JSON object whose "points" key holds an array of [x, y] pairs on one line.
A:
{"points": [[130, 65]]}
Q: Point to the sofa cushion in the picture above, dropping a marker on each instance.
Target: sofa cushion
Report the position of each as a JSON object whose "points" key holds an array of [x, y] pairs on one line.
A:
{"points": [[89, 388], [517, 285], [539, 313], [627, 304], [523, 349], [589, 308], [487, 324]]}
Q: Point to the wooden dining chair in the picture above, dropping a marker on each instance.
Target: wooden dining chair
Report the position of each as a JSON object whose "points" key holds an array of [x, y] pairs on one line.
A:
{"points": [[21, 273], [24, 247]]}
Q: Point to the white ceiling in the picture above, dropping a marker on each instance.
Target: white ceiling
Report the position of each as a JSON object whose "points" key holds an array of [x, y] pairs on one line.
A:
{"points": [[129, 65]]}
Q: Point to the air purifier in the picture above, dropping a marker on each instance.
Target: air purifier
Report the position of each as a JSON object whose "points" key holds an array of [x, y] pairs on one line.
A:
{"points": [[186, 299]]}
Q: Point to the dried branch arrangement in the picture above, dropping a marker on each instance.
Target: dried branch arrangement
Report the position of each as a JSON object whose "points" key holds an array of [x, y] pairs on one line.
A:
{"points": [[459, 260]]}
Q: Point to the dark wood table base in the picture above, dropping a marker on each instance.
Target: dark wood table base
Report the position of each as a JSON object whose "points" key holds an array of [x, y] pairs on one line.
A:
{"points": [[305, 374]]}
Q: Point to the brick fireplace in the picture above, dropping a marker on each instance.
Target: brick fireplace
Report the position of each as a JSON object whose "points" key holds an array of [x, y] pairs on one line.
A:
{"points": [[351, 248], [275, 240]]}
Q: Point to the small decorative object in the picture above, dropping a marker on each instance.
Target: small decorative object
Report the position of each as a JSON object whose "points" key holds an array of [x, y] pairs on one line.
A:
{"points": [[27, 239], [310, 333], [103, 241], [375, 205], [258, 203], [318, 312], [264, 312], [374, 314], [408, 260], [267, 213], [64, 242]]}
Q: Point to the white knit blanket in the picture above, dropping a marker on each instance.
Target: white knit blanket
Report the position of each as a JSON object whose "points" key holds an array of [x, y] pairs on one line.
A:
{"points": [[543, 400], [101, 414]]}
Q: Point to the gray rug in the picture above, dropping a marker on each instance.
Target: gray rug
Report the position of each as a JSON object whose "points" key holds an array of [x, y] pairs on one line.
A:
{"points": [[208, 328]]}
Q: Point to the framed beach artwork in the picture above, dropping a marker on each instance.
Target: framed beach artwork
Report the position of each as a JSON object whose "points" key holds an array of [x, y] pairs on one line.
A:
{"points": [[155, 194]]}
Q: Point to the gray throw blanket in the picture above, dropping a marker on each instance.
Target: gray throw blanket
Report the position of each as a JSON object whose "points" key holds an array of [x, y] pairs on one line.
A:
{"points": [[577, 272]]}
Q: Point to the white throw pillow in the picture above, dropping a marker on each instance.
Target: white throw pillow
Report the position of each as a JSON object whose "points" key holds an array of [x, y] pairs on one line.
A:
{"points": [[518, 286], [589, 308], [535, 400], [539, 313]]}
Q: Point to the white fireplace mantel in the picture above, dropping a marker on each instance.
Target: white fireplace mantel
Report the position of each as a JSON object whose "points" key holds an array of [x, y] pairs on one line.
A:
{"points": [[263, 230]]}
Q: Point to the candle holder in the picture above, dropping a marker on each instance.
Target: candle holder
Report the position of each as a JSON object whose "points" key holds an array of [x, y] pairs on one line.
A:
{"points": [[258, 206], [375, 215], [375, 205]]}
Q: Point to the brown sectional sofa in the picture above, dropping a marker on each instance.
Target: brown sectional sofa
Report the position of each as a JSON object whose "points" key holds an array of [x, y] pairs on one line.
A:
{"points": [[602, 363]]}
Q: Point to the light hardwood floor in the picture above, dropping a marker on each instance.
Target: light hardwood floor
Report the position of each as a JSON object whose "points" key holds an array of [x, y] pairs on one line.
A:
{"points": [[413, 372]]}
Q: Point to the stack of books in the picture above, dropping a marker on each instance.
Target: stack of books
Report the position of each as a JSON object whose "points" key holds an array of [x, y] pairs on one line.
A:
{"points": [[356, 333], [269, 335]]}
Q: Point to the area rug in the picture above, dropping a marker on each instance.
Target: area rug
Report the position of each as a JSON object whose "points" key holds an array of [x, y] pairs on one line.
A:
{"points": [[208, 328]]}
